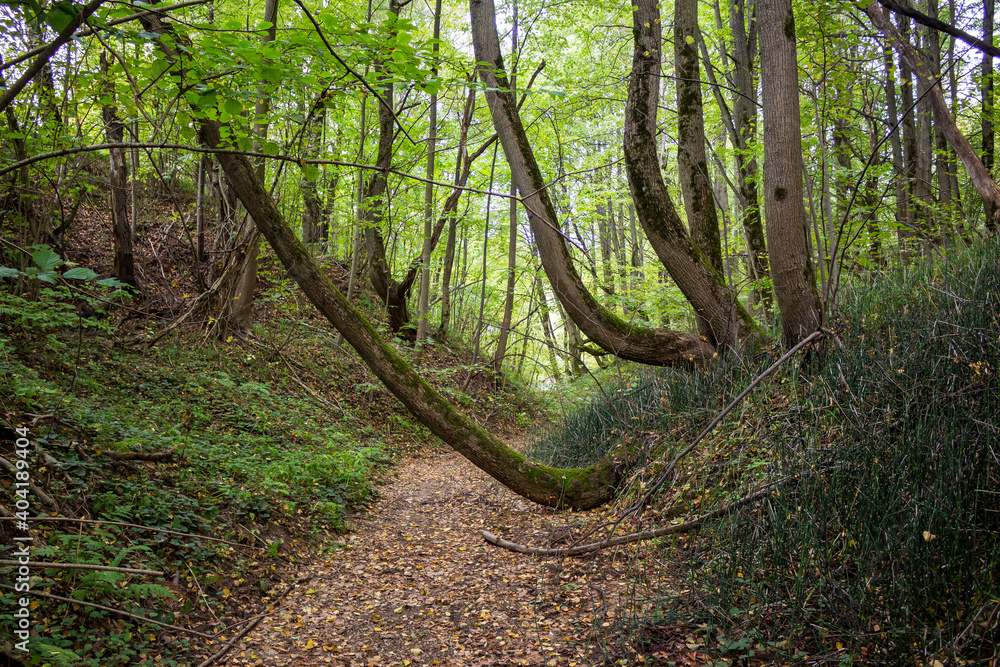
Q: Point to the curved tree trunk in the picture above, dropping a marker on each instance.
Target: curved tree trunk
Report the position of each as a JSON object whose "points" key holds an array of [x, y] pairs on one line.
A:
{"points": [[555, 487], [628, 341], [689, 267], [692, 160], [571, 487], [980, 176]]}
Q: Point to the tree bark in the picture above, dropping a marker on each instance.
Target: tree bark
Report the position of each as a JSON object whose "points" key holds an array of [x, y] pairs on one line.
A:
{"points": [[784, 211], [980, 176], [114, 130], [658, 347], [689, 267]]}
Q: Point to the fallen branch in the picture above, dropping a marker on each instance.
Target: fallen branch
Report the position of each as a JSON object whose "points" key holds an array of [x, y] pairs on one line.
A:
{"points": [[166, 455], [641, 503], [82, 566], [41, 495], [119, 612], [631, 537], [253, 624], [132, 525]]}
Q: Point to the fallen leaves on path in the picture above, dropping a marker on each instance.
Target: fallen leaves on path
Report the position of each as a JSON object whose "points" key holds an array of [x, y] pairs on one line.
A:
{"points": [[417, 585]]}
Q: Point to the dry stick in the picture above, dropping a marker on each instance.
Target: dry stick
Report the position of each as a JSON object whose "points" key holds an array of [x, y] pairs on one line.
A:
{"points": [[631, 537], [295, 376], [132, 525], [245, 631], [639, 505], [59, 598], [82, 566], [41, 495], [165, 455]]}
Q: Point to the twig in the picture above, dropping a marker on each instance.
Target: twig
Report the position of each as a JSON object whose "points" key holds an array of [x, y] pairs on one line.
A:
{"points": [[641, 503], [133, 525], [631, 537], [83, 566], [41, 495], [253, 624], [59, 598], [166, 455]]}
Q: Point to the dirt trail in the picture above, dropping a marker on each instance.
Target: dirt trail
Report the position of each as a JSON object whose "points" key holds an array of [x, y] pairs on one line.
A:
{"points": [[419, 586]]}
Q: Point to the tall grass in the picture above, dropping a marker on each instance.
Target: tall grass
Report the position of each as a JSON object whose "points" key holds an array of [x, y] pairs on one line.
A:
{"points": [[884, 546]]}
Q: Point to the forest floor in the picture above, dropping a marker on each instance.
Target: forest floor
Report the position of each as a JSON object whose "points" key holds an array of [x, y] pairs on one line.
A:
{"points": [[417, 584]]}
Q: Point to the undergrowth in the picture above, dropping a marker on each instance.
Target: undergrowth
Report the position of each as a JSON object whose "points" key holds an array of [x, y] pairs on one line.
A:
{"points": [[270, 443], [882, 543]]}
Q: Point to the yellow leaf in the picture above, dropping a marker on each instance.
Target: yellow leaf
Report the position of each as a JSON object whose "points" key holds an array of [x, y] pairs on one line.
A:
{"points": [[928, 536], [310, 644]]}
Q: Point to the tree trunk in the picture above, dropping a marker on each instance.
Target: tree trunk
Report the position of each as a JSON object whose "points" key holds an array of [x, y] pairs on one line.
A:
{"points": [[689, 267], [114, 130], [425, 254], [660, 347], [312, 217], [784, 211], [246, 285], [745, 122], [449, 251], [991, 208], [909, 229], [980, 176], [692, 160], [898, 167]]}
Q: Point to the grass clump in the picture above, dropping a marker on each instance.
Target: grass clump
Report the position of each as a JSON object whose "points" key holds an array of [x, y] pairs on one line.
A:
{"points": [[883, 544]]}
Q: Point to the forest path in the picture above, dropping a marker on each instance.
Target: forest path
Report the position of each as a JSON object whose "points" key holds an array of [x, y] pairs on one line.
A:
{"points": [[419, 586]]}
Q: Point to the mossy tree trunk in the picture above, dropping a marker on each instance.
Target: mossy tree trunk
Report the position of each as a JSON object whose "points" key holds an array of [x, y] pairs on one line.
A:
{"points": [[688, 265], [555, 487], [625, 339]]}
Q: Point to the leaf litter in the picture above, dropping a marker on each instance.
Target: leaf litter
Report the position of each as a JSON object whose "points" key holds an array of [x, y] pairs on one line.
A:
{"points": [[417, 585]]}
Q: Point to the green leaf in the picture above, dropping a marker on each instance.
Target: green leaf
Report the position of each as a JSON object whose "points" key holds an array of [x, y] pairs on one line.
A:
{"points": [[45, 258], [60, 15], [271, 74], [80, 273], [7, 272], [110, 282], [233, 107], [47, 277]]}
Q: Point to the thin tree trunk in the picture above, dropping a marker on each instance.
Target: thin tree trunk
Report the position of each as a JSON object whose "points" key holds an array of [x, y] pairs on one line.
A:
{"points": [[449, 250], [114, 130], [425, 254], [247, 284], [898, 167], [990, 208], [791, 266], [979, 175]]}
